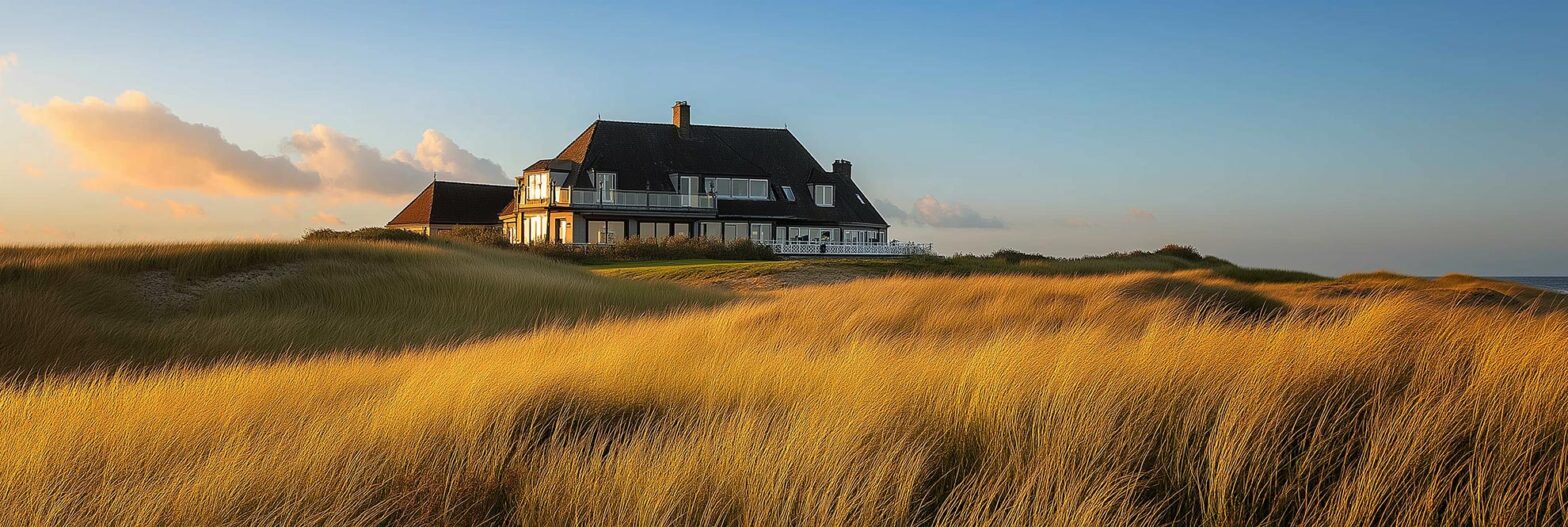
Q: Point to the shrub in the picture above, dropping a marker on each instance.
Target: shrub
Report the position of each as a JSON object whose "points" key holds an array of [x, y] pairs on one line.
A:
{"points": [[1011, 256], [368, 233], [488, 236], [1185, 252], [672, 248]]}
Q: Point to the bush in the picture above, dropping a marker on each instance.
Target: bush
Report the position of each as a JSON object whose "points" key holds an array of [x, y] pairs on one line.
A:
{"points": [[672, 248], [488, 236], [1185, 252], [1011, 256], [368, 233]]}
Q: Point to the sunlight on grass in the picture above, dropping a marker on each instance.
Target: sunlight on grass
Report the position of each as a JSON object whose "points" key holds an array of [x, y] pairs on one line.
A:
{"points": [[1132, 399]]}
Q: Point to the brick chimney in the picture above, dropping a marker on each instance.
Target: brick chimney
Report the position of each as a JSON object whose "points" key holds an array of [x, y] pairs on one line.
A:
{"points": [[841, 167], [681, 115]]}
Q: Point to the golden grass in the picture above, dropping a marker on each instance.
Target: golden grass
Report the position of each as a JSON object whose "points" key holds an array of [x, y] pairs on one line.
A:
{"points": [[1139, 399]]}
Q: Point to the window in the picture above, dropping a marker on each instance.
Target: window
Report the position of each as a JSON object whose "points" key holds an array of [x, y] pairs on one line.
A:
{"points": [[789, 193], [681, 229], [536, 228], [861, 199], [735, 231], [605, 182], [606, 231], [824, 195], [538, 186], [562, 230], [649, 230], [712, 230], [732, 188], [759, 232]]}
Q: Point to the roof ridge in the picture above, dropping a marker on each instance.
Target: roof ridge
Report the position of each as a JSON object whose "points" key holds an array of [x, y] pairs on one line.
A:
{"points": [[471, 183], [695, 125]]}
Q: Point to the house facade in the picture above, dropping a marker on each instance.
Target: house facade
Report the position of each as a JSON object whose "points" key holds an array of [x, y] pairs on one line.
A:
{"points": [[619, 180]]}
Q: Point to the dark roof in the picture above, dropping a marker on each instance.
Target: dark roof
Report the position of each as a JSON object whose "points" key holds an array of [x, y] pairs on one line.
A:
{"points": [[456, 203], [643, 155]]}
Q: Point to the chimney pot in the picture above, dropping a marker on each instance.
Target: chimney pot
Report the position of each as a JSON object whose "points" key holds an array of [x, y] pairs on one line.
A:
{"points": [[682, 119]]}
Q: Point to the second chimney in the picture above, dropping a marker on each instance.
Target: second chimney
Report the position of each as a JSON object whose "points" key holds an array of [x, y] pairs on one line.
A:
{"points": [[682, 119], [841, 167]]}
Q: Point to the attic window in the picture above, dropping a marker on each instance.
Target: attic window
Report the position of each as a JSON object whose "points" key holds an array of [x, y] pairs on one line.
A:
{"points": [[789, 193], [824, 195]]}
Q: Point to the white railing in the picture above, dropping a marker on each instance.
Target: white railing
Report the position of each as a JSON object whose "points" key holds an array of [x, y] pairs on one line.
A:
{"points": [[848, 249], [631, 199]]}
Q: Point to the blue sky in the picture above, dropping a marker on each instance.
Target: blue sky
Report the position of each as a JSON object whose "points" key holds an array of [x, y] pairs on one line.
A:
{"points": [[1424, 138]]}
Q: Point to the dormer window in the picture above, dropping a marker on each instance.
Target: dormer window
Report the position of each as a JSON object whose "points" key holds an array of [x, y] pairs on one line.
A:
{"points": [[823, 194], [736, 188]]}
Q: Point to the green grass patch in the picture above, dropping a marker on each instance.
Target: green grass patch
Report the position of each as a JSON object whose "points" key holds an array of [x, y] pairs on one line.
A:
{"points": [[76, 308]]}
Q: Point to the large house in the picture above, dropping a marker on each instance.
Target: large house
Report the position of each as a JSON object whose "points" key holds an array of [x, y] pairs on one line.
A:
{"points": [[621, 179]]}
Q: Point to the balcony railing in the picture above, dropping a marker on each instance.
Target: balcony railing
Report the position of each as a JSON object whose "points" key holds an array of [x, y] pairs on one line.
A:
{"points": [[788, 248], [626, 199]]}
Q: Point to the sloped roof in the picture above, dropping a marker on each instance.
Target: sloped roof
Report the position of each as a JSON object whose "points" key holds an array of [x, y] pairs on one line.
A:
{"points": [[453, 202], [644, 155]]}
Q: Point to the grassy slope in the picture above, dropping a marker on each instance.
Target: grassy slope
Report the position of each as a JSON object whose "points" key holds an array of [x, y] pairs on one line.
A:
{"points": [[68, 308], [767, 275], [1113, 400]]}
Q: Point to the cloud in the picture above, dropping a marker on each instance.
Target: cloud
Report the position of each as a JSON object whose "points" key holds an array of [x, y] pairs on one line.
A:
{"points": [[437, 153], [890, 212], [326, 218], [347, 165], [134, 203], [930, 211], [286, 210], [6, 62], [184, 210], [1138, 214], [32, 171], [134, 142]]}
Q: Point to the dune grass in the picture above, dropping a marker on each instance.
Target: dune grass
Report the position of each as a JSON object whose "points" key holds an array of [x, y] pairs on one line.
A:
{"points": [[1137, 399], [75, 308]]}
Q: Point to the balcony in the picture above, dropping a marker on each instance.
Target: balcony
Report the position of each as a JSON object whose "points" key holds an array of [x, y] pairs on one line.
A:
{"points": [[624, 199]]}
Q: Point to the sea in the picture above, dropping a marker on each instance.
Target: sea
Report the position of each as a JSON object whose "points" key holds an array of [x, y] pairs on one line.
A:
{"points": [[1549, 283]]}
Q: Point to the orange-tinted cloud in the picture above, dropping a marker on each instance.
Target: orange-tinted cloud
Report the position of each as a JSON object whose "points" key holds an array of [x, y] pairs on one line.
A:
{"points": [[326, 218], [32, 171], [1140, 215], [348, 165], [930, 211], [184, 210], [134, 142], [134, 203], [286, 210]]}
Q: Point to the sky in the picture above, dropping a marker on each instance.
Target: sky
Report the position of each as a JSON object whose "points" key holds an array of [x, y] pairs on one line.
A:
{"points": [[1424, 138]]}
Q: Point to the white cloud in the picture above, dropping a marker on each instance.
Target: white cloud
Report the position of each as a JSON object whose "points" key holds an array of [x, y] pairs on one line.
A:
{"points": [[134, 142], [437, 153], [930, 211], [345, 164]]}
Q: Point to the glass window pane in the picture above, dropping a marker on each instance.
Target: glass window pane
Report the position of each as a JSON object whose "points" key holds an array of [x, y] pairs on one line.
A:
{"points": [[789, 193], [682, 229], [759, 189]]}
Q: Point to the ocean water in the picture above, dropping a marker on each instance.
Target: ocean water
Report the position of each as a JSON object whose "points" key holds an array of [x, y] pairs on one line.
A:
{"points": [[1549, 283]]}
